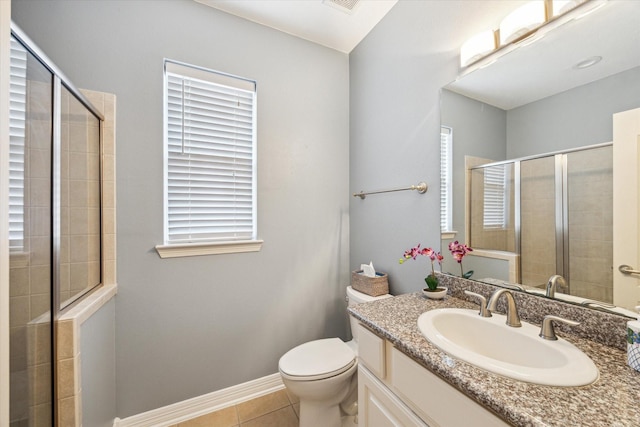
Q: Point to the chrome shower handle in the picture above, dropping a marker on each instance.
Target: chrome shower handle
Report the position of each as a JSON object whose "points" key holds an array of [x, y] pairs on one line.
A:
{"points": [[627, 269]]}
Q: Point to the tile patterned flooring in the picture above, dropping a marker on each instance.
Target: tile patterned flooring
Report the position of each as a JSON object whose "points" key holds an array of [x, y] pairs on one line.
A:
{"points": [[278, 409]]}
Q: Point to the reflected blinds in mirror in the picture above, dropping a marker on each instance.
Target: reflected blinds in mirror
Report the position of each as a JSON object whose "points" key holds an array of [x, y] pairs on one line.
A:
{"points": [[492, 209], [446, 191], [495, 197]]}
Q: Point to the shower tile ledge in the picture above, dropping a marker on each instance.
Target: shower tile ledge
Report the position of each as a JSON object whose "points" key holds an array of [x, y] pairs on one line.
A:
{"points": [[68, 353], [88, 306]]}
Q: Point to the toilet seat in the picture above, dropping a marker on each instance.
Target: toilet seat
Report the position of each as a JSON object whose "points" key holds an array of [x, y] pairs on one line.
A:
{"points": [[317, 360]]}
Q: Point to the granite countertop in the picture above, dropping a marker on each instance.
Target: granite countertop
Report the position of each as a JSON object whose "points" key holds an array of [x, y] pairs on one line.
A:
{"points": [[612, 401]]}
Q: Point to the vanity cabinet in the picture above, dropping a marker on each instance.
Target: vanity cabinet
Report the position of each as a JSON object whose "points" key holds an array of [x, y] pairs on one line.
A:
{"points": [[394, 390], [379, 407]]}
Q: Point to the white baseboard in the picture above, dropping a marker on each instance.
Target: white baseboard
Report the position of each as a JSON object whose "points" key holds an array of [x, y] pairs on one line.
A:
{"points": [[191, 408]]}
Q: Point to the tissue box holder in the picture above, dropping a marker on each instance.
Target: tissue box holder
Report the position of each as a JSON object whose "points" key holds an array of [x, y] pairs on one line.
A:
{"points": [[374, 286]]}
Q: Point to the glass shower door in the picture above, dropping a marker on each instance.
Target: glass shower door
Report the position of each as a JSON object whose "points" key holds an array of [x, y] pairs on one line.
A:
{"points": [[30, 230], [538, 213], [590, 222]]}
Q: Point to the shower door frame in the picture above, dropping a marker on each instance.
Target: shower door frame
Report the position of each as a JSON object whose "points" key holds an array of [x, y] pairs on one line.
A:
{"points": [[561, 204], [59, 81]]}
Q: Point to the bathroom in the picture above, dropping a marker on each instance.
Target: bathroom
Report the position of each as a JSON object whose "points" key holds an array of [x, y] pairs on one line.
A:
{"points": [[329, 124]]}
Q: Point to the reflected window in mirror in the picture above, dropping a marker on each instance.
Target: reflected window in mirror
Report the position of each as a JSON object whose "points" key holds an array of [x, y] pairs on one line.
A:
{"points": [[492, 210], [446, 191], [495, 197]]}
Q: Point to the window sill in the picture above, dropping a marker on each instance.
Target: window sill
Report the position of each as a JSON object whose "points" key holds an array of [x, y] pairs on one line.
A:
{"points": [[445, 235], [197, 249]]}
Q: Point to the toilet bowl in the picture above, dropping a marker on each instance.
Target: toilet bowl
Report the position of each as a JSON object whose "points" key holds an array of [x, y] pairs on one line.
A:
{"points": [[322, 373]]}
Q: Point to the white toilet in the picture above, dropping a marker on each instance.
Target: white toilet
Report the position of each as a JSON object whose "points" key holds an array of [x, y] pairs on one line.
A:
{"points": [[322, 374]]}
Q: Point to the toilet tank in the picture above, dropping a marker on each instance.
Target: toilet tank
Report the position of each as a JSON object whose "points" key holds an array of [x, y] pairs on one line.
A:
{"points": [[354, 297]]}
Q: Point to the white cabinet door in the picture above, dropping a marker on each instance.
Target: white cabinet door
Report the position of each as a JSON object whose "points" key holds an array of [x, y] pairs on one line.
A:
{"points": [[437, 402], [378, 407]]}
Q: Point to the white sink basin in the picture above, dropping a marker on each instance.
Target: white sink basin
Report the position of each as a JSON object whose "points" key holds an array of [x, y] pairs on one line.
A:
{"points": [[518, 353]]}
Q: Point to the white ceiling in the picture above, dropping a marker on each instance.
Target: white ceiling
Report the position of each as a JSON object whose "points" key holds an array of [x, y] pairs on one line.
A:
{"points": [[612, 32], [318, 21]]}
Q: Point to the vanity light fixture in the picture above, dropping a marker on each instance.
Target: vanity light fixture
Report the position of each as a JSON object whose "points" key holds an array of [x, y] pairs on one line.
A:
{"points": [[561, 7], [476, 47], [522, 21], [525, 25], [346, 6]]}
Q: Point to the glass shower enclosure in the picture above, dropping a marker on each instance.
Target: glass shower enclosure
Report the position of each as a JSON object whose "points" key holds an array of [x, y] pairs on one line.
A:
{"points": [[556, 211], [54, 221]]}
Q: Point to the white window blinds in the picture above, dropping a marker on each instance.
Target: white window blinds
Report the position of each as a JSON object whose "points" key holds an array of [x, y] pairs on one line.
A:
{"points": [[446, 209], [210, 173], [495, 196], [18, 113]]}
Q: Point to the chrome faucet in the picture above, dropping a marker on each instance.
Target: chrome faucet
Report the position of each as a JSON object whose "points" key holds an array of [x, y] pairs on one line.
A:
{"points": [[555, 281], [547, 331], [513, 319], [483, 303]]}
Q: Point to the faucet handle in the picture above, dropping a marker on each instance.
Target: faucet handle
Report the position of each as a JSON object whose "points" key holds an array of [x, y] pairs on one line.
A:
{"points": [[483, 303], [548, 332]]}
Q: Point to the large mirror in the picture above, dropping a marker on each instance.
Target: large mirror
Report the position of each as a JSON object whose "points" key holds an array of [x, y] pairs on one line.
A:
{"points": [[536, 108]]}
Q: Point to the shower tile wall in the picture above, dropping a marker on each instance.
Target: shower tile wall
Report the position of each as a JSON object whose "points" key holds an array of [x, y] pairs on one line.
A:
{"points": [[590, 189], [79, 199], [490, 238], [538, 228]]}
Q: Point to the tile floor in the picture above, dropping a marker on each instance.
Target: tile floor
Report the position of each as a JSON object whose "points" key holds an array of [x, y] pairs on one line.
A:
{"points": [[278, 409]]}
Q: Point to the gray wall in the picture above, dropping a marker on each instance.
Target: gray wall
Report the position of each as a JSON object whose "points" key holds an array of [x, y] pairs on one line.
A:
{"points": [[98, 360], [396, 74], [575, 118], [190, 326], [479, 130]]}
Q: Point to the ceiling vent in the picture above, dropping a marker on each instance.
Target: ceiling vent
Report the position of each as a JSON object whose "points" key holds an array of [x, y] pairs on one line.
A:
{"points": [[346, 6]]}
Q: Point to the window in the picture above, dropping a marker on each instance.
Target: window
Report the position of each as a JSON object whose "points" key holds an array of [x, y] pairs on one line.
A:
{"points": [[446, 205], [210, 162], [495, 197], [18, 107]]}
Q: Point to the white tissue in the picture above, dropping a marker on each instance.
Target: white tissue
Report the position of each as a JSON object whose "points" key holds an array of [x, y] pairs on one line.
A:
{"points": [[368, 270]]}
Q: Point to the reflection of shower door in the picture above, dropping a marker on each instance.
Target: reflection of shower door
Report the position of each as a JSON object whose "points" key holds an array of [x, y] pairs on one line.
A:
{"points": [[589, 200], [30, 235], [559, 218], [567, 221], [538, 242]]}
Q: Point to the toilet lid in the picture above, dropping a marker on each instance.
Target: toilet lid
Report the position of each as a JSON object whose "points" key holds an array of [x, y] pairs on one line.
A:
{"points": [[320, 358]]}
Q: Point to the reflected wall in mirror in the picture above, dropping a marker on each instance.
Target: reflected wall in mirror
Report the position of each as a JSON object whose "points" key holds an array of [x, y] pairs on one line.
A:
{"points": [[492, 120]]}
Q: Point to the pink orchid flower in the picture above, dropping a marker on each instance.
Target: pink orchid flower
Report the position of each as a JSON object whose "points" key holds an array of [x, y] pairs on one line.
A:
{"points": [[458, 251], [428, 252]]}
